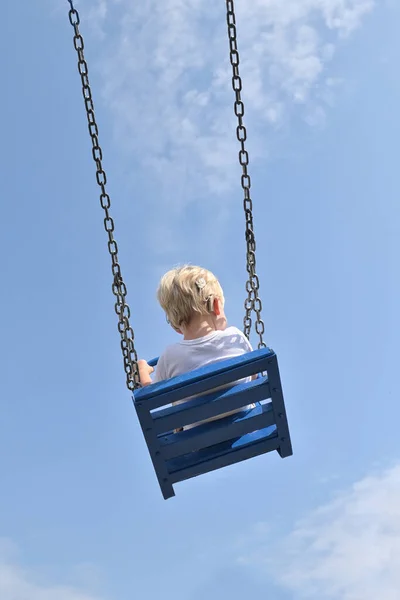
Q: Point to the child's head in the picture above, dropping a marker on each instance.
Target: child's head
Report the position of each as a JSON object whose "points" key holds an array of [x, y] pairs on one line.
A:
{"points": [[189, 291]]}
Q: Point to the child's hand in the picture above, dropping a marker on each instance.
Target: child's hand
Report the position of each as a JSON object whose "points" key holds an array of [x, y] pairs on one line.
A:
{"points": [[142, 364], [144, 372]]}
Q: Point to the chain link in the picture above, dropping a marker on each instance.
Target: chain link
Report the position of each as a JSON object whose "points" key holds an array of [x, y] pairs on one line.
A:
{"points": [[118, 287], [252, 302]]}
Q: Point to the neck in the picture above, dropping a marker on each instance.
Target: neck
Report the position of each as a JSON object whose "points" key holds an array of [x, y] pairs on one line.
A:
{"points": [[198, 329]]}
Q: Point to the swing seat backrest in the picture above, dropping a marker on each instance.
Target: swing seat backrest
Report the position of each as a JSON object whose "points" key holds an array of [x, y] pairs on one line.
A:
{"points": [[180, 455]]}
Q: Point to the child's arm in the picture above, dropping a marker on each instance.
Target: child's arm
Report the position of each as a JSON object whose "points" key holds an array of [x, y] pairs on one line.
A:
{"points": [[144, 372]]}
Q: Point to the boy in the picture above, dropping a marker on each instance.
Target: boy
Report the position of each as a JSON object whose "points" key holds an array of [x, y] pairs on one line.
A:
{"points": [[193, 301]]}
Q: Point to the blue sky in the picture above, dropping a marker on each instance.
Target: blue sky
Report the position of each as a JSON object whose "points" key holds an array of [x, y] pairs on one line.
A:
{"points": [[81, 515]]}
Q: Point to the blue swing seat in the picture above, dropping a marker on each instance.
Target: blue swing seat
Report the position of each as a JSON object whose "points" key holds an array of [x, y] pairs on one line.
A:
{"points": [[180, 455]]}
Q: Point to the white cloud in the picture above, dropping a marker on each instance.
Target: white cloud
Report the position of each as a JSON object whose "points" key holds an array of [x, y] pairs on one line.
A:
{"points": [[20, 584], [97, 15], [346, 550], [167, 78]]}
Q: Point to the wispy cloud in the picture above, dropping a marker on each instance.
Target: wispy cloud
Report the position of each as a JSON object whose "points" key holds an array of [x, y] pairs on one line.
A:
{"points": [[346, 550], [17, 583], [97, 14], [167, 77]]}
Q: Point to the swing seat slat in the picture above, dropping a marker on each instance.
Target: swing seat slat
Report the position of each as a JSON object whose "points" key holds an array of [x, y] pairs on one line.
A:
{"points": [[210, 405], [254, 430], [223, 430], [222, 456]]}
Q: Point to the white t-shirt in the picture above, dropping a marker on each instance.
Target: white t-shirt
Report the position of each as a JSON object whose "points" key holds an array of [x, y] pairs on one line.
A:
{"points": [[188, 355]]}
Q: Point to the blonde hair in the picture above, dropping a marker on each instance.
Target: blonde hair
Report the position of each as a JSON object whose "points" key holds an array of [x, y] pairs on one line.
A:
{"points": [[187, 290]]}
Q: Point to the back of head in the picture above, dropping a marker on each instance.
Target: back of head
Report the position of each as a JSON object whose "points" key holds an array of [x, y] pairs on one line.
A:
{"points": [[186, 291]]}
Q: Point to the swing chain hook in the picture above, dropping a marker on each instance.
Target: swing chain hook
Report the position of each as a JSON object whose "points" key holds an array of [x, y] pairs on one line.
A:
{"points": [[253, 301], [119, 288]]}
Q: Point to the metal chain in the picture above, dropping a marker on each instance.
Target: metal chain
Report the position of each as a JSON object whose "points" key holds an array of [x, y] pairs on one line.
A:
{"points": [[253, 302], [118, 287]]}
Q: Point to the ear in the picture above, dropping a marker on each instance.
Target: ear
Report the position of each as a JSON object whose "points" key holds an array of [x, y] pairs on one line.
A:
{"points": [[217, 306]]}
